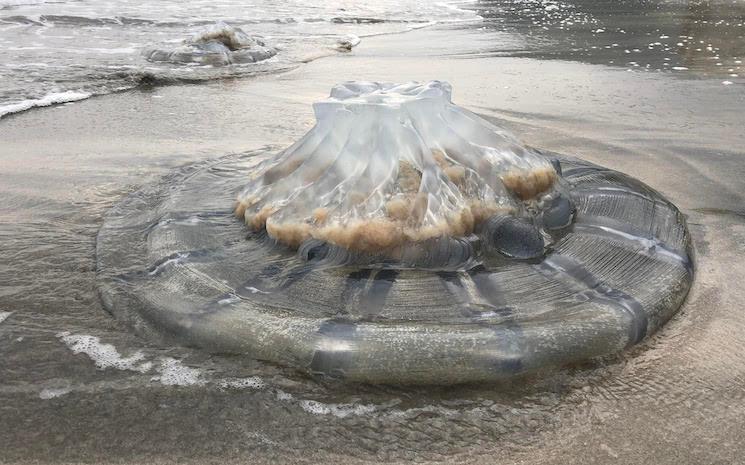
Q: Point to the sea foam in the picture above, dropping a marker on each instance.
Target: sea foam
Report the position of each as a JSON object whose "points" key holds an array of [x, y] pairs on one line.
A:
{"points": [[175, 373], [104, 355], [51, 393], [47, 100]]}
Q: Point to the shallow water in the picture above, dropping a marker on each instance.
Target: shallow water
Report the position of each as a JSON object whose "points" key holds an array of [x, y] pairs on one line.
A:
{"points": [[48, 48], [78, 386], [706, 38]]}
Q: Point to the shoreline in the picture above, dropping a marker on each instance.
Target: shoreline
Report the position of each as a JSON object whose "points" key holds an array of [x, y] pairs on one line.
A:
{"points": [[148, 81], [221, 103]]}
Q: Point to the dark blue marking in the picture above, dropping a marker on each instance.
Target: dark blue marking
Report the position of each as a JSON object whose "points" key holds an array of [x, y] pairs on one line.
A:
{"points": [[489, 289], [296, 274], [338, 328], [508, 333], [317, 252], [354, 285], [360, 275], [270, 271], [454, 285], [329, 361], [509, 337], [480, 268], [683, 256], [372, 302], [449, 276], [557, 165], [601, 293]]}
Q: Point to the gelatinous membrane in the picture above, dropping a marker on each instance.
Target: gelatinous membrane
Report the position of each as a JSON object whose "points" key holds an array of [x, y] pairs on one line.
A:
{"points": [[389, 164], [217, 45], [583, 266]]}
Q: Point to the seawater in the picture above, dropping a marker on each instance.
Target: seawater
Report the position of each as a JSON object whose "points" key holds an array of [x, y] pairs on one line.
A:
{"points": [[61, 51]]}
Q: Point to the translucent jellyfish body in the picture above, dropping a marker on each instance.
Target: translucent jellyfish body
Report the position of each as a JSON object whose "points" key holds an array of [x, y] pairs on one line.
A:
{"points": [[390, 164], [217, 45], [403, 240]]}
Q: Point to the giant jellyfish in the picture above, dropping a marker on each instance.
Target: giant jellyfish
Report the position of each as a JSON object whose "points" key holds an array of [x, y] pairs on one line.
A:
{"points": [[402, 240]]}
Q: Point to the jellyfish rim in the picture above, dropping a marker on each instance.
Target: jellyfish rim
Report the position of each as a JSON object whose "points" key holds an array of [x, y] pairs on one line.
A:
{"points": [[490, 348]]}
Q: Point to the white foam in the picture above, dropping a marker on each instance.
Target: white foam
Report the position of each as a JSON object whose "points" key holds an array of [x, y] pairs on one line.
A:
{"points": [[337, 410], [229, 300], [262, 438], [104, 355], [4, 315], [253, 290], [416, 411], [47, 100], [321, 408], [174, 373], [253, 382], [51, 393], [282, 395], [7, 3], [460, 14]]}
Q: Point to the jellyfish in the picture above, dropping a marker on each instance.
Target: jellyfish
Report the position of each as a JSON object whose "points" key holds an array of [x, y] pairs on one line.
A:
{"points": [[347, 43], [402, 240], [216, 45]]}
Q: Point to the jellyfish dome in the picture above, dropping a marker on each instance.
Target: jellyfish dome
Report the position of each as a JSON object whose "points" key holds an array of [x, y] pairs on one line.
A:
{"points": [[402, 240], [393, 164], [216, 45]]}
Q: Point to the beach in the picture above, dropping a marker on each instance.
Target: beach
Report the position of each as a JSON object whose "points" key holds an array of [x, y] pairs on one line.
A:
{"points": [[77, 386]]}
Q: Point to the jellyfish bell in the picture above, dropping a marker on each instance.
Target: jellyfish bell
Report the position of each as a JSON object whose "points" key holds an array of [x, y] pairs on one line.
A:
{"points": [[402, 240], [217, 45], [347, 43], [389, 165]]}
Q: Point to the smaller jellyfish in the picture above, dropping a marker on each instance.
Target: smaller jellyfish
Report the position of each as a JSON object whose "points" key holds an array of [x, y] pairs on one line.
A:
{"points": [[217, 45], [347, 42]]}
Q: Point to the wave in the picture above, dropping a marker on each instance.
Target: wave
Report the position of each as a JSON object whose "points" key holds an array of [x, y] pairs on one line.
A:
{"points": [[7, 4], [102, 70], [72, 20], [49, 99]]}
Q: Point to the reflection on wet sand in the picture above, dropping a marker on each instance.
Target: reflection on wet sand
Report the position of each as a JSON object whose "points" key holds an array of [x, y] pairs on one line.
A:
{"points": [[704, 37], [713, 38]]}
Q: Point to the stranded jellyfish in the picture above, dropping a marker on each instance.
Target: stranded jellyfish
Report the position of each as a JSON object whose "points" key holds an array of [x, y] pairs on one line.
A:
{"points": [[402, 240], [217, 45]]}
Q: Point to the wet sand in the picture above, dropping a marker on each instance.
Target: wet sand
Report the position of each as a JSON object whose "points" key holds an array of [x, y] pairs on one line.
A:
{"points": [[676, 398]]}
